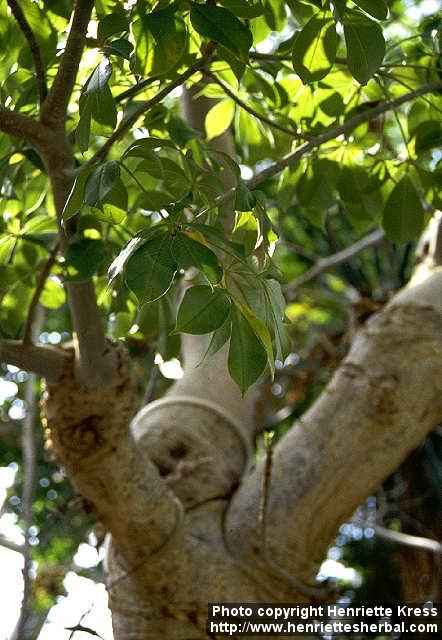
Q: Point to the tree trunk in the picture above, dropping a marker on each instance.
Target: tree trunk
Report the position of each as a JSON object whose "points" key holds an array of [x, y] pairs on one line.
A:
{"points": [[191, 521]]}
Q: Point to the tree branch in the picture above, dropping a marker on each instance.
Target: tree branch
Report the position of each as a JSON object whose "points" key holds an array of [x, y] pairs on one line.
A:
{"points": [[334, 132], [33, 46], [22, 126], [324, 264], [260, 116], [55, 106], [44, 360], [418, 542], [319, 475], [330, 134], [29, 461], [10, 544], [37, 293], [148, 104]]}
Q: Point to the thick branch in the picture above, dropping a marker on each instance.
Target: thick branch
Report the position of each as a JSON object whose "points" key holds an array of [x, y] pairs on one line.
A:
{"points": [[377, 408], [87, 432], [55, 106], [45, 360], [324, 264], [21, 126], [33, 46]]}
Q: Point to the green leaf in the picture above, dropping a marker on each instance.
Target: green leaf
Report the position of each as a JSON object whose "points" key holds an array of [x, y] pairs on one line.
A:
{"points": [[221, 25], [365, 46], [314, 49], [247, 356], [76, 196], [243, 8], [103, 109], [161, 41], [217, 239], [202, 310], [244, 198], [83, 258], [427, 135], [403, 215], [261, 331], [219, 118], [246, 231], [112, 23], [376, 8], [100, 182], [153, 200], [99, 77], [121, 48], [53, 295], [150, 269], [119, 263], [190, 253], [83, 131], [276, 310], [219, 338], [143, 147]]}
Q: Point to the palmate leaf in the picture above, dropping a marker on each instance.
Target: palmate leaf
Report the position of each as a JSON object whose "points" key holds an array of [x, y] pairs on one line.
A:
{"points": [[190, 253], [221, 25], [76, 196], [365, 46], [100, 182], [403, 215], [247, 356], [161, 41], [314, 49], [151, 268], [219, 338], [202, 310]]}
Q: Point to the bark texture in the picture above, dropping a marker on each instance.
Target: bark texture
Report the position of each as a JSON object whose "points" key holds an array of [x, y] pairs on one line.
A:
{"points": [[180, 503]]}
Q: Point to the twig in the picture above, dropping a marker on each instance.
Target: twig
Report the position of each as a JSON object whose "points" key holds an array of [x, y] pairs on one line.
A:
{"points": [[324, 264], [33, 46], [55, 106], [418, 542], [334, 132], [135, 89], [317, 141], [37, 293], [10, 544], [29, 462], [83, 615], [282, 57], [148, 104], [275, 125]]}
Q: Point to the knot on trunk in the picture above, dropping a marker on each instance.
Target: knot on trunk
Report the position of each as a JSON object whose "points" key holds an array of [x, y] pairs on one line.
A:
{"points": [[81, 422]]}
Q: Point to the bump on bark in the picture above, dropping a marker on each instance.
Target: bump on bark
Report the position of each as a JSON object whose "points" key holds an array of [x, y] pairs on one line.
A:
{"points": [[81, 423]]}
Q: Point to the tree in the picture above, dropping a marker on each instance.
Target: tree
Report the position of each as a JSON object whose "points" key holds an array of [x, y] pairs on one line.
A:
{"points": [[144, 220]]}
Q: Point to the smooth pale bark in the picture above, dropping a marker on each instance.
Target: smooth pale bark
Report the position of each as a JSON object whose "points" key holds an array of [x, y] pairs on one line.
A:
{"points": [[381, 403]]}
